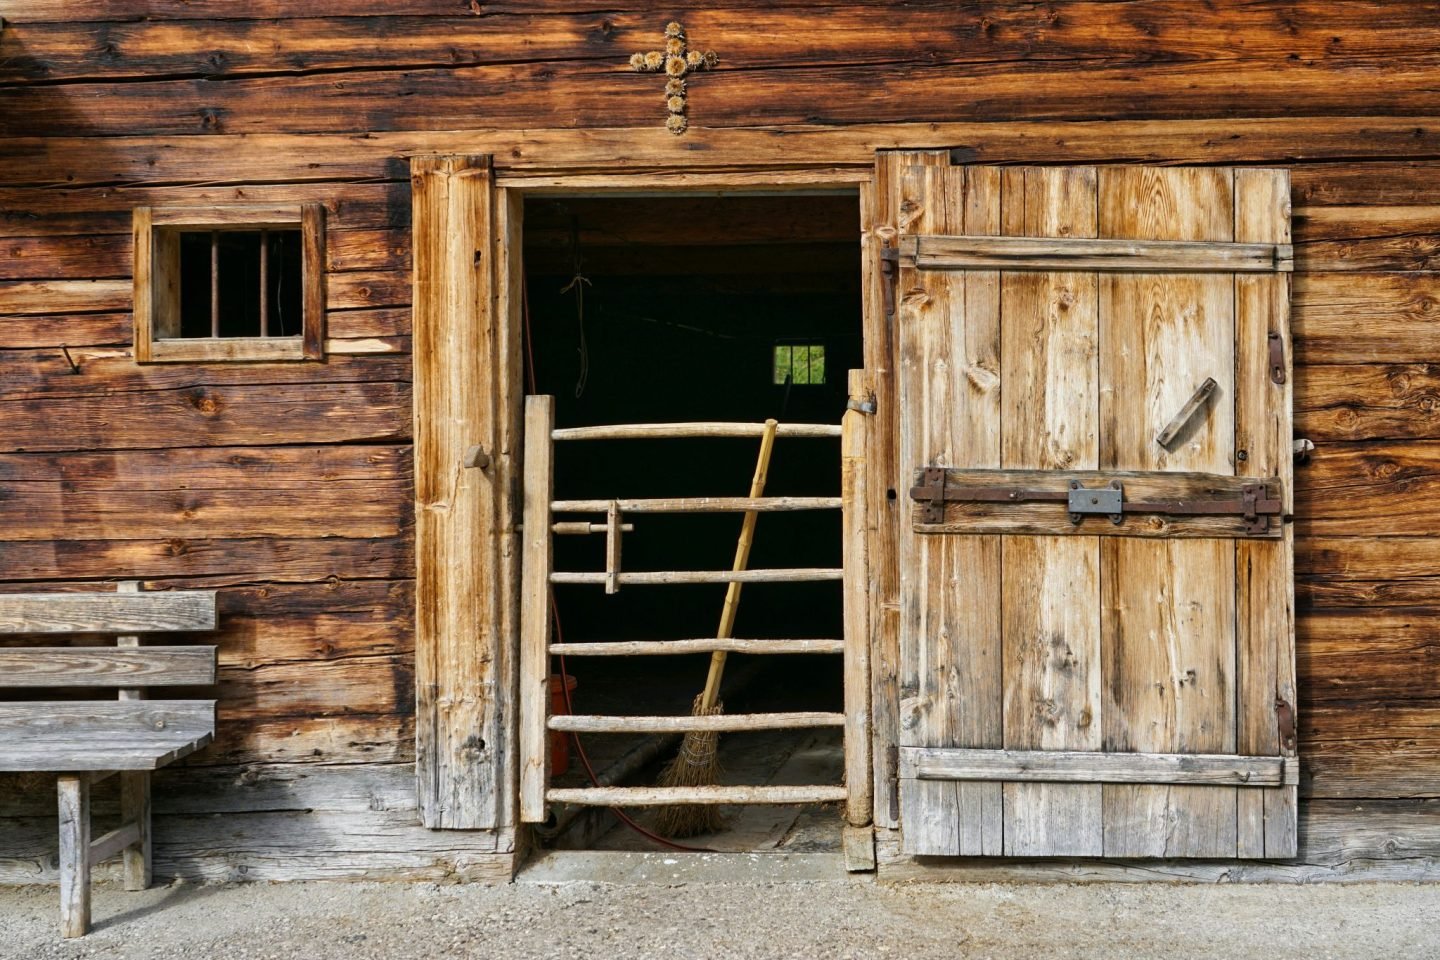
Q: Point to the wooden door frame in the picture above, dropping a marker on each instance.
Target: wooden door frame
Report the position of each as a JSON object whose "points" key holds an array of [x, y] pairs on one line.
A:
{"points": [[467, 447]]}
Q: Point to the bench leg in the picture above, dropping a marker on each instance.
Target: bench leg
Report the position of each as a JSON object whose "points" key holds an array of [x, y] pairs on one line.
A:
{"points": [[135, 808], [74, 794]]}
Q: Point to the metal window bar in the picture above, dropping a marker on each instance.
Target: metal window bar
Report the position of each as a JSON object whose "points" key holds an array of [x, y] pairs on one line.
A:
{"points": [[264, 283], [215, 283]]}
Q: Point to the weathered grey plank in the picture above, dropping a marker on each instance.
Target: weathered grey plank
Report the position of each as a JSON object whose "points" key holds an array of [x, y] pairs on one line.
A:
{"points": [[1077, 254], [1050, 628], [107, 612], [101, 734], [107, 666], [1066, 766]]}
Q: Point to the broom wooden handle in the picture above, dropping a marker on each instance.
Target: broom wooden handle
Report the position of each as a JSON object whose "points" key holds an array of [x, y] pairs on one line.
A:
{"points": [[711, 695]]}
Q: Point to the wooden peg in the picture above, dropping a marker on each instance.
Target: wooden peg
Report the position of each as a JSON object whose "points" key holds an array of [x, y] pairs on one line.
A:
{"points": [[613, 531]]}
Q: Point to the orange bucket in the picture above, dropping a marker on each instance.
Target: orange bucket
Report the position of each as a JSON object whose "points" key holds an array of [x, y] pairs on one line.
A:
{"points": [[559, 739]]}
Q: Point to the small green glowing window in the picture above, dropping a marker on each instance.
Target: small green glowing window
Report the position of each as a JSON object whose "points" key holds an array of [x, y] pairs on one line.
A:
{"points": [[799, 364]]}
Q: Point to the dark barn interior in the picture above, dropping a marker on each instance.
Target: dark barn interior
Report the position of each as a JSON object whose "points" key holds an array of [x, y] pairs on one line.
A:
{"points": [[718, 308]]}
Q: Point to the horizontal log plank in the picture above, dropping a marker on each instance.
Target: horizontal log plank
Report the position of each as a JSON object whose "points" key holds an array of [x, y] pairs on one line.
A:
{"points": [[335, 38], [377, 736], [1369, 489], [1401, 183], [1073, 253], [74, 161], [106, 666], [1354, 401], [664, 796], [107, 612], [584, 93], [295, 560], [631, 648], [82, 330], [213, 468], [332, 687], [1398, 312], [230, 415], [700, 505], [95, 211], [1368, 655], [662, 577], [1368, 572], [722, 722], [668, 431], [1370, 749], [1054, 766], [1367, 238], [326, 508]]}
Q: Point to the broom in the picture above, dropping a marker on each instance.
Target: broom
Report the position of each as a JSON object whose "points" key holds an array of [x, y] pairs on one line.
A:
{"points": [[697, 763]]}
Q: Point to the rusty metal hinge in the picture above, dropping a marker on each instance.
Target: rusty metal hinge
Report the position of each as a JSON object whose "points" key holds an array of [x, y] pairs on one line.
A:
{"points": [[1285, 723], [889, 263], [931, 495], [892, 764], [1277, 358]]}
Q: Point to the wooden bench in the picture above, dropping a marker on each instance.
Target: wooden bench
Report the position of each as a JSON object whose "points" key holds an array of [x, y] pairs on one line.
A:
{"points": [[86, 741]]}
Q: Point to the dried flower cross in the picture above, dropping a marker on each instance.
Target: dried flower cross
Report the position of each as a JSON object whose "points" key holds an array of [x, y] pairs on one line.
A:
{"points": [[677, 62]]}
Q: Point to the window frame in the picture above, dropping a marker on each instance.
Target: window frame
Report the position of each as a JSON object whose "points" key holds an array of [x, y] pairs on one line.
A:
{"points": [[791, 343], [156, 278]]}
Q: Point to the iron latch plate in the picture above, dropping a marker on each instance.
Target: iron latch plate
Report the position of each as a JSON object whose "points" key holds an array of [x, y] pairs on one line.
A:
{"points": [[1109, 500]]}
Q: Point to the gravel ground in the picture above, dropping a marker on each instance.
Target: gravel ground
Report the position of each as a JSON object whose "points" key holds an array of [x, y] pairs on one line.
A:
{"points": [[826, 920]]}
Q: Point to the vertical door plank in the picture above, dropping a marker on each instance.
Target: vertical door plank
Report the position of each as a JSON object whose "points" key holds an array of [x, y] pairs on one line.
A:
{"points": [[539, 492], [950, 654], [880, 213], [1167, 618], [854, 449], [459, 746], [507, 472], [1264, 584], [1051, 587], [1168, 608]]}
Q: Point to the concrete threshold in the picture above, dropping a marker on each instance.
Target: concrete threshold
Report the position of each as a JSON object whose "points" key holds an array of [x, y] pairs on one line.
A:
{"points": [[664, 868]]}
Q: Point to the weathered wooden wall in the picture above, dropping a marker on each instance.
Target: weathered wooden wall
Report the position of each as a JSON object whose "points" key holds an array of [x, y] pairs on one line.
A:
{"points": [[289, 486]]}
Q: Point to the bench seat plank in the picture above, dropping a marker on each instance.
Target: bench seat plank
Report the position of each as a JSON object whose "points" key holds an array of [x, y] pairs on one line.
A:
{"points": [[122, 613], [87, 735], [107, 666]]}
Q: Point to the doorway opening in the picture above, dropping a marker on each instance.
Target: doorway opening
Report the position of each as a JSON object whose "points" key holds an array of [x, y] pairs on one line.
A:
{"points": [[688, 309]]}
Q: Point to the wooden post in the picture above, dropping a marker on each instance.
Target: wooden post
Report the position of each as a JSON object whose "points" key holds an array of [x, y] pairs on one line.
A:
{"points": [[612, 548], [859, 799], [134, 784], [74, 796], [539, 490], [458, 376]]}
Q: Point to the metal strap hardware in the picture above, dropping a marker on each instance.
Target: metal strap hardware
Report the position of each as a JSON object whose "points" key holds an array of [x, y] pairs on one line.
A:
{"points": [[1107, 500], [1255, 504], [1277, 358]]}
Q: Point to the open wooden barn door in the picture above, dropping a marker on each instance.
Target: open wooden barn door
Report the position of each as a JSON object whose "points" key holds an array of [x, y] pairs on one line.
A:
{"points": [[1097, 639]]}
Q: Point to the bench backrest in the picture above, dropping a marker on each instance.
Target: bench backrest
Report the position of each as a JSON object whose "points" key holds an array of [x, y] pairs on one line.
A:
{"points": [[126, 614]]}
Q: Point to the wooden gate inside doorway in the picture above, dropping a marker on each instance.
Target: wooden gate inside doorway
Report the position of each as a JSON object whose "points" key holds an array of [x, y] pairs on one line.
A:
{"points": [[544, 517]]}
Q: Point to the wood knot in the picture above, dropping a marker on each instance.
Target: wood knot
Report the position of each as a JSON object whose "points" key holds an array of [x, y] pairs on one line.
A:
{"points": [[205, 403]]}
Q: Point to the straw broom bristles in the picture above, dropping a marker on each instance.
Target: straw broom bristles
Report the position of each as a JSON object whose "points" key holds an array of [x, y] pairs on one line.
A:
{"points": [[697, 764]]}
